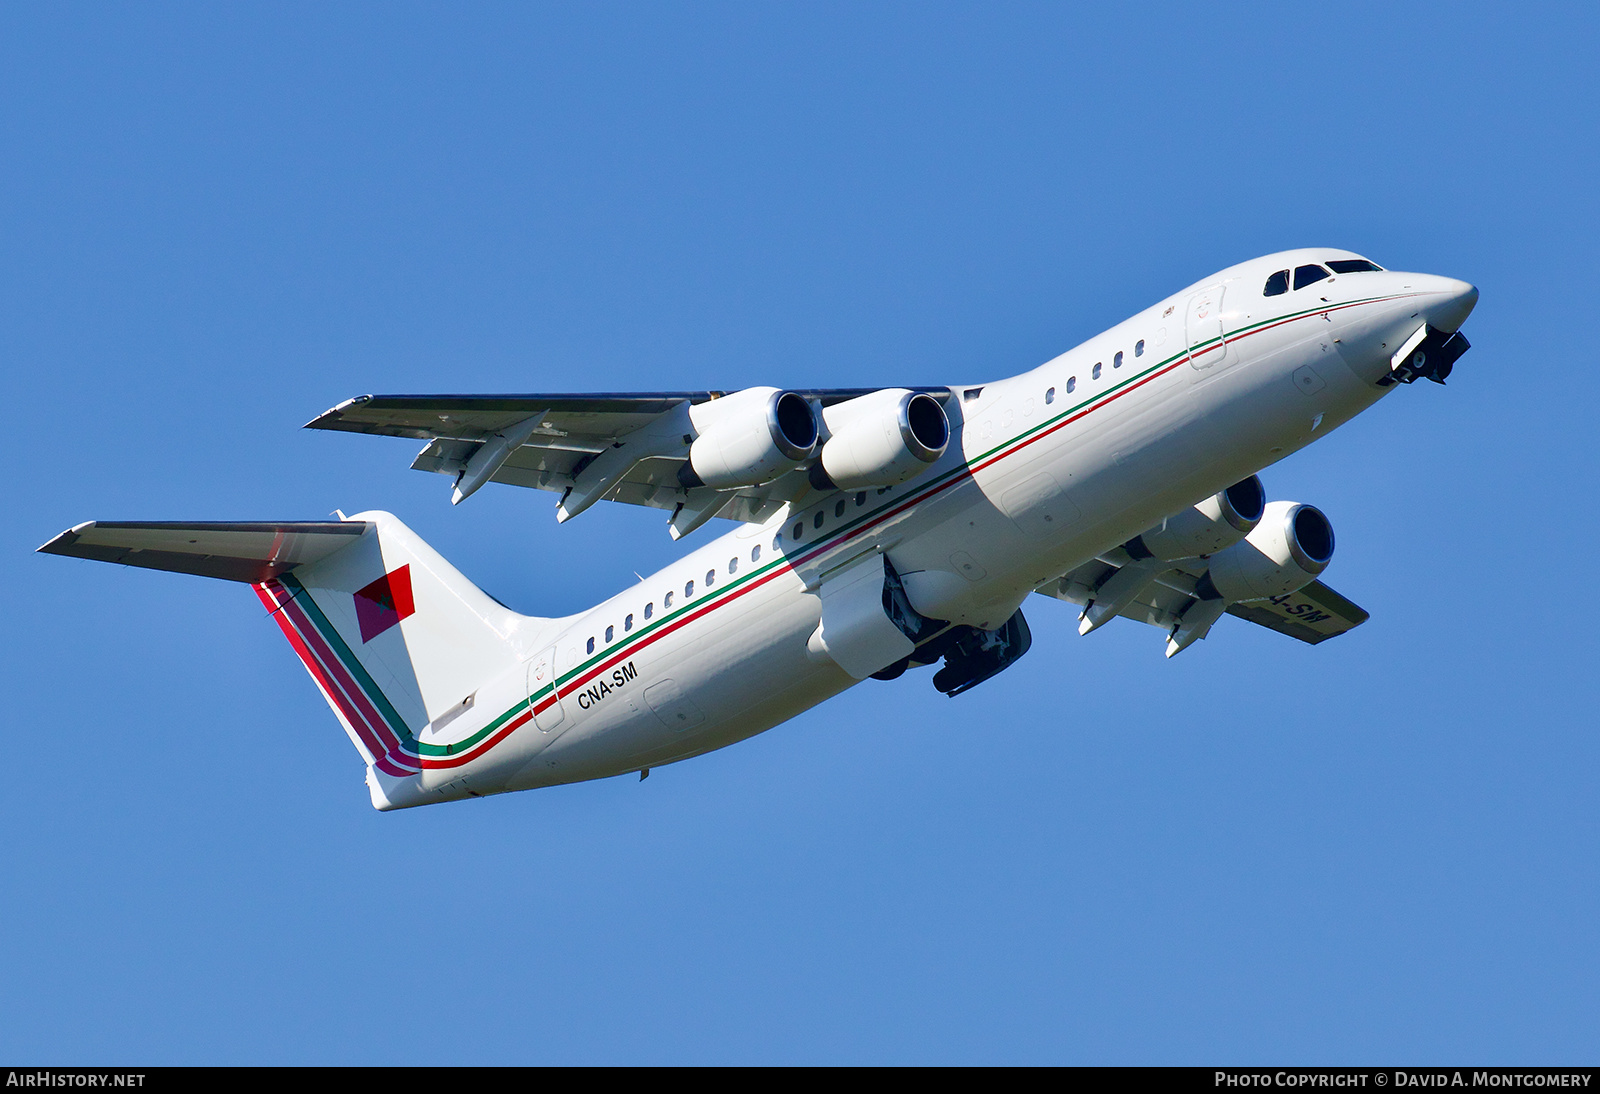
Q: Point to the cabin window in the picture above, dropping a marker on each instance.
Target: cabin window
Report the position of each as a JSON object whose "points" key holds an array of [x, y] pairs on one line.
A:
{"points": [[611, 634], [799, 530], [1095, 375], [1050, 396], [838, 509], [1072, 383], [970, 394], [650, 609], [627, 622], [590, 648], [666, 601], [1277, 284], [755, 553], [1116, 362], [733, 565], [688, 589], [1353, 265], [1308, 275], [816, 521], [1138, 348], [711, 578], [861, 498]]}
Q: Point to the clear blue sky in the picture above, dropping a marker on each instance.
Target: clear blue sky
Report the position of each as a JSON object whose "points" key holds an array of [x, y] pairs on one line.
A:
{"points": [[219, 220]]}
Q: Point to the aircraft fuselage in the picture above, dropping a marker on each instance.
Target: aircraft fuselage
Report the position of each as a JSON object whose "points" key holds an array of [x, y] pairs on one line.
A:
{"points": [[1046, 470]]}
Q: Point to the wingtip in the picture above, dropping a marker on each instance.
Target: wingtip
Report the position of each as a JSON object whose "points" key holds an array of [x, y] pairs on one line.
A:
{"points": [[326, 419], [56, 544]]}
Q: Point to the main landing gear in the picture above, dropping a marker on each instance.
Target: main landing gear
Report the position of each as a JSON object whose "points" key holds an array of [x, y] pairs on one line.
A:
{"points": [[970, 656]]}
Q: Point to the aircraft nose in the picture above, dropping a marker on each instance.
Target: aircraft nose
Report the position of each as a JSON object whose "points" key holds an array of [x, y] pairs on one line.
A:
{"points": [[1454, 303]]}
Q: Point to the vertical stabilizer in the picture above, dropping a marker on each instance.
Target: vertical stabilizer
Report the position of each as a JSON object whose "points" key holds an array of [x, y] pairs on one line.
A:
{"points": [[401, 644], [426, 672]]}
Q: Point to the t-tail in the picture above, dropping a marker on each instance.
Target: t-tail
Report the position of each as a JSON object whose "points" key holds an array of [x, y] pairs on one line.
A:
{"points": [[426, 672]]}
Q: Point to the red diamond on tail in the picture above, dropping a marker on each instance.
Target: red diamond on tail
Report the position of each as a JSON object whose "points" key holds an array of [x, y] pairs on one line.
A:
{"points": [[384, 603]]}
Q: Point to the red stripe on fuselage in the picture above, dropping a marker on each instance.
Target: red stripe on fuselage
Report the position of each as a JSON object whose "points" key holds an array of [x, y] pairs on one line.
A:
{"points": [[432, 763]]}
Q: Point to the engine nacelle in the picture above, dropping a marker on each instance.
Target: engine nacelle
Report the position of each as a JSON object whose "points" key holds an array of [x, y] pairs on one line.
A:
{"points": [[1286, 551], [1220, 521], [749, 437], [882, 439]]}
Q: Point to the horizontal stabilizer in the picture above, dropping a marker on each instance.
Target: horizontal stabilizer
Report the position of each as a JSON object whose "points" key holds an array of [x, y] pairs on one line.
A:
{"points": [[247, 551]]}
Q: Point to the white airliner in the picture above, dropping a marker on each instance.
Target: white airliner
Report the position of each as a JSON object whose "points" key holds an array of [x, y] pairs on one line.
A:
{"points": [[877, 531]]}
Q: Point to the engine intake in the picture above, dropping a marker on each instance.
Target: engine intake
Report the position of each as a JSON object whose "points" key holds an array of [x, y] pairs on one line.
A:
{"points": [[1286, 551], [881, 439], [749, 437]]}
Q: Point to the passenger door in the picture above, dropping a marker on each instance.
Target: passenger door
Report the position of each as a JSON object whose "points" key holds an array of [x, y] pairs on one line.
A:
{"points": [[1203, 328], [542, 695]]}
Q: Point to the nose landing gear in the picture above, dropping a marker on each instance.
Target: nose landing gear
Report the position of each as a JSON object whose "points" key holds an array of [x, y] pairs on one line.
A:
{"points": [[1428, 354]]}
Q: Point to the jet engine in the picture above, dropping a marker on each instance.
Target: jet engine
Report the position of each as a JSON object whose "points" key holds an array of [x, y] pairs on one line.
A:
{"points": [[749, 437], [1218, 522], [881, 439], [1286, 551]]}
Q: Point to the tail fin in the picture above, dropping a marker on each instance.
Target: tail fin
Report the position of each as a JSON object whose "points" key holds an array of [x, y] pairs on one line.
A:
{"points": [[395, 637]]}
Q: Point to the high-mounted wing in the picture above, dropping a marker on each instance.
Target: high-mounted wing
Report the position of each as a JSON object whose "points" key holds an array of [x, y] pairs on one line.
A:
{"points": [[627, 447], [1313, 614]]}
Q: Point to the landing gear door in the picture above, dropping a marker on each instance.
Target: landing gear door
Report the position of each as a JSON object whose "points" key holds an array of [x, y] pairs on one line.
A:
{"points": [[1202, 326], [543, 698], [856, 632]]}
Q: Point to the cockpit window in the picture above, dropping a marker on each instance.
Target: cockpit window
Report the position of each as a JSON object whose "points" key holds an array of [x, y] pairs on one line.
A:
{"points": [[1353, 265], [1277, 284], [1308, 275]]}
